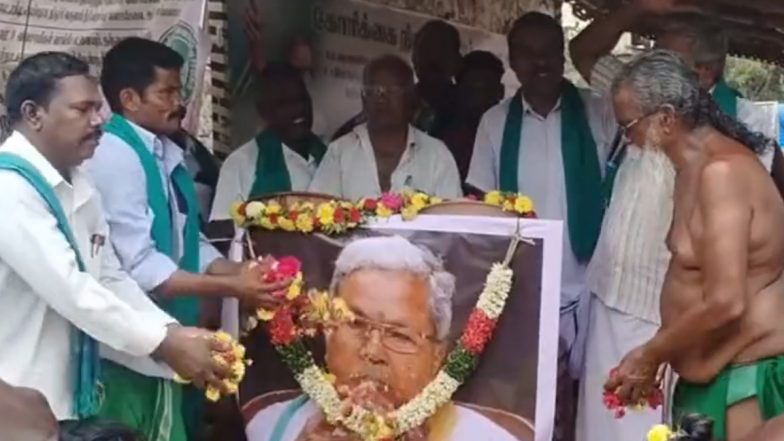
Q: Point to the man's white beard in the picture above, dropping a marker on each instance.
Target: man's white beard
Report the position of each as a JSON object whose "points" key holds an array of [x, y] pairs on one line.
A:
{"points": [[655, 200]]}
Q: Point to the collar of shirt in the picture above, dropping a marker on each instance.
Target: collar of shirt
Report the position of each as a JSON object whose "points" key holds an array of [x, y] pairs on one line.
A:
{"points": [[363, 135], [78, 191], [528, 110], [163, 148]]}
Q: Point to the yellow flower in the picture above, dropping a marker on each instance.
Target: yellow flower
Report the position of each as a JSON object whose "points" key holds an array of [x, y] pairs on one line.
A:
{"points": [[295, 289], [494, 198], [222, 337], [212, 393], [286, 224], [265, 223], [383, 211], [341, 310], [383, 429], [319, 305], [419, 201], [180, 380], [435, 200], [523, 204], [409, 213], [508, 206], [304, 223], [273, 207], [330, 378], [230, 386], [234, 213], [239, 351], [326, 214], [255, 209], [265, 315], [660, 432]]}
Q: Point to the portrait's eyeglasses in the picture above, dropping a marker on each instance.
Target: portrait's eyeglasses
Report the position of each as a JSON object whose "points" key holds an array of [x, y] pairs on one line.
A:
{"points": [[395, 338], [377, 92]]}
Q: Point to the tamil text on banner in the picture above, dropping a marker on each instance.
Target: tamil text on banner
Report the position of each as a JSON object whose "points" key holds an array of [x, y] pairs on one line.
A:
{"points": [[513, 390], [88, 28], [331, 40]]}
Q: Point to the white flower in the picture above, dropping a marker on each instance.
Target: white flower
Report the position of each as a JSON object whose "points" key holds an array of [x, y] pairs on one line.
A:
{"points": [[497, 287], [254, 209]]}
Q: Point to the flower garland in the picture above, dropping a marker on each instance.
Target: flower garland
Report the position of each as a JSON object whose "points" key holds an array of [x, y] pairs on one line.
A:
{"points": [[234, 358], [662, 432], [336, 217], [613, 402], [372, 426], [511, 202]]}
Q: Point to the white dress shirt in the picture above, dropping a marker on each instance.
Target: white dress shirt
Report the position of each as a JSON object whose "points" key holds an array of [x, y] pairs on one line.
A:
{"points": [[238, 174], [43, 294], [119, 177], [541, 172], [349, 169], [469, 425]]}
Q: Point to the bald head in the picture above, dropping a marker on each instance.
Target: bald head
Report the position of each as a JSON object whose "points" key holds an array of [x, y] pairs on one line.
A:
{"points": [[388, 93]]}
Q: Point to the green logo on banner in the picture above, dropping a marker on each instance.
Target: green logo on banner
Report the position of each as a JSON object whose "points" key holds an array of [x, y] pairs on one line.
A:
{"points": [[182, 38]]}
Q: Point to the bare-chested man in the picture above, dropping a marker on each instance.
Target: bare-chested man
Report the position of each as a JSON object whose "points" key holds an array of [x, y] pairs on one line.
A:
{"points": [[722, 299]]}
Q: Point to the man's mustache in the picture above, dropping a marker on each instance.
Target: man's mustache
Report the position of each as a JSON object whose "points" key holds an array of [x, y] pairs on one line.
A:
{"points": [[94, 135], [179, 113]]}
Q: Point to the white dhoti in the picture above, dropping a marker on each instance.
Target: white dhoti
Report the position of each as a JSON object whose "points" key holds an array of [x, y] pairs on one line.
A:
{"points": [[611, 335]]}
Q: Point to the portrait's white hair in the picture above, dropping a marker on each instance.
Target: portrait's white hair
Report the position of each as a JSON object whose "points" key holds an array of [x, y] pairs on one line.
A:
{"points": [[398, 254]]}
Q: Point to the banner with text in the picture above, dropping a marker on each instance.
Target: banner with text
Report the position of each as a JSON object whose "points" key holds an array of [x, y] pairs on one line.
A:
{"points": [[88, 28], [332, 40]]}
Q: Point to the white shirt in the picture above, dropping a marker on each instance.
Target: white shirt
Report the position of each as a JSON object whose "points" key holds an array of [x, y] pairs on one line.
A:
{"points": [[541, 172], [239, 172], [469, 426], [43, 294], [120, 179], [349, 171]]}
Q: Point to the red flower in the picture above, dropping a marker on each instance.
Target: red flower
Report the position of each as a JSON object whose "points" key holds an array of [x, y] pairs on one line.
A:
{"points": [[355, 216], [288, 267], [392, 201], [273, 218], [478, 331], [293, 215], [656, 399], [281, 328], [241, 209], [370, 204], [340, 215]]}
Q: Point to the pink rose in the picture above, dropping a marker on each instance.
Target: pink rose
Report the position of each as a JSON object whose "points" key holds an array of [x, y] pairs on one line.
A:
{"points": [[392, 201], [288, 267]]}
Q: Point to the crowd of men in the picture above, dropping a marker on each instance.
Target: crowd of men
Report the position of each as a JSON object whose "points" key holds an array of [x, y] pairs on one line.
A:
{"points": [[667, 181]]}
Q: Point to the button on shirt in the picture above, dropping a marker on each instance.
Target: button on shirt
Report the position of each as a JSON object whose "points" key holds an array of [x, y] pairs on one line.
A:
{"points": [[238, 174], [541, 172], [349, 169], [119, 177], [44, 295]]}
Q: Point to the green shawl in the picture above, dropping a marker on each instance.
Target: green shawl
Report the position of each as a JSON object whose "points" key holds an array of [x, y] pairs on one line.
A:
{"points": [[584, 191], [272, 174], [184, 309], [87, 395], [726, 98]]}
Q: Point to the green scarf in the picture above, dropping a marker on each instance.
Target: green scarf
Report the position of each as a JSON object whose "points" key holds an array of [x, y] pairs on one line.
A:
{"points": [[727, 98], [184, 309], [87, 395], [584, 191], [272, 174]]}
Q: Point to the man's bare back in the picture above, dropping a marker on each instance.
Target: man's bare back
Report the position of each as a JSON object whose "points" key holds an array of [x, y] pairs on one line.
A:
{"points": [[728, 221]]}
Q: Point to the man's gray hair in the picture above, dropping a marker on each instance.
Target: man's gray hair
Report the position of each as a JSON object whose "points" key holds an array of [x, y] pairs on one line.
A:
{"points": [[398, 254], [661, 78]]}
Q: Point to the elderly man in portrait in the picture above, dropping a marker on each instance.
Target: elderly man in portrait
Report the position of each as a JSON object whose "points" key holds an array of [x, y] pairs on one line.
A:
{"points": [[402, 299]]}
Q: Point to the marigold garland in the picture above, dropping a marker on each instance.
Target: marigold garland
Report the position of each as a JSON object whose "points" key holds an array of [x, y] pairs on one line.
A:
{"points": [[234, 358], [336, 217], [371, 426]]}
